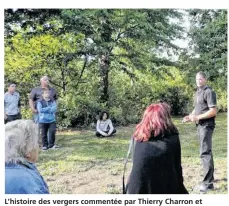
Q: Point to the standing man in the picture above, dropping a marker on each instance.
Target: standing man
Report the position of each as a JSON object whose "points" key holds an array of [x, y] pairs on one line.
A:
{"points": [[36, 95], [204, 116], [11, 104]]}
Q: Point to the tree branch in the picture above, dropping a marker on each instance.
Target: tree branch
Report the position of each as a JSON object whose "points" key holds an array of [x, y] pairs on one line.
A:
{"points": [[55, 84], [120, 33], [124, 69], [82, 71]]}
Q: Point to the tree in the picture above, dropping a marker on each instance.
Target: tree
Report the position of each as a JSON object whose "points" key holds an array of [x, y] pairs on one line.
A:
{"points": [[128, 38], [123, 39], [208, 35], [97, 59]]}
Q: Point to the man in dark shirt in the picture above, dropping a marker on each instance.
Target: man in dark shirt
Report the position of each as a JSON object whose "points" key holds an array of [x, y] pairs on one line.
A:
{"points": [[36, 94], [204, 116]]}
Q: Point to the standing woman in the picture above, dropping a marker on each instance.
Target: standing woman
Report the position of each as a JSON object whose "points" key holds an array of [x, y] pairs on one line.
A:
{"points": [[157, 155], [104, 126]]}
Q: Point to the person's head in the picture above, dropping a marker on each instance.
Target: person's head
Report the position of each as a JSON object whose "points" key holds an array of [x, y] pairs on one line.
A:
{"points": [[104, 116], [201, 79], [156, 121], [44, 81], [11, 87], [21, 141], [46, 94]]}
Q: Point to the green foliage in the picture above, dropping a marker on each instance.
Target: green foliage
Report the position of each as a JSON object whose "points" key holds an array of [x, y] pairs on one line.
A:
{"points": [[175, 90], [67, 45], [77, 111], [222, 100], [208, 35], [208, 51], [26, 113], [220, 88], [130, 98]]}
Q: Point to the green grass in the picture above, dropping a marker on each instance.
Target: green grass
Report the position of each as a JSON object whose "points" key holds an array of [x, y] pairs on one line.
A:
{"points": [[86, 164]]}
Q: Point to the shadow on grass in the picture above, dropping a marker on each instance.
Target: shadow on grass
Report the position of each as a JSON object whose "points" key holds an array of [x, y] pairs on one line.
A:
{"points": [[221, 180]]}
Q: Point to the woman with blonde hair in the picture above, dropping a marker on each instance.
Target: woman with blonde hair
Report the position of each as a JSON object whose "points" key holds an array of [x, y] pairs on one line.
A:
{"points": [[21, 153]]}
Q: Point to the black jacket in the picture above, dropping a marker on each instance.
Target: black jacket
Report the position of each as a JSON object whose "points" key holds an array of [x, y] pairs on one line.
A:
{"points": [[157, 167]]}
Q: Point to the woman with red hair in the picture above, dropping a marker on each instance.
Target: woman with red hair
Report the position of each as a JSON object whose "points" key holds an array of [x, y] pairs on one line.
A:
{"points": [[157, 155]]}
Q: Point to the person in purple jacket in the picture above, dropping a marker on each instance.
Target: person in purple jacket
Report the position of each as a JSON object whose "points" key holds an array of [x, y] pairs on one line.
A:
{"points": [[21, 153]]}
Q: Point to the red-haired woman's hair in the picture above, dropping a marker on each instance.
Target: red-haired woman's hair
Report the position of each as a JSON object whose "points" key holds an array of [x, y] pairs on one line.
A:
{"points": [[156, 121]]}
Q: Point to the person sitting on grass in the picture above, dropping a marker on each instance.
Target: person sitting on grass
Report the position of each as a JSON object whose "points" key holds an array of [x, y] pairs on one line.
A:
{"points": [[156, 154], [47, 120], [104, 126], [21, 153]]}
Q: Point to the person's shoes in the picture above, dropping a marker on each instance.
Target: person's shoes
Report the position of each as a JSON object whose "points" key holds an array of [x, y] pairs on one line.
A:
{"points": [[205, 188], [54, 147], [44, 148]]}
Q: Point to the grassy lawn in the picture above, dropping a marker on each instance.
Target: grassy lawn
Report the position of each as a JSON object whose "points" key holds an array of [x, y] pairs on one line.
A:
{"points": [[87, 165]]}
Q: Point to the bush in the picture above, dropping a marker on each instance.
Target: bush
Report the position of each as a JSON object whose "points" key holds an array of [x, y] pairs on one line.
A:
{"points": [[26, 112], [221, 100], [178, 98], [220, 87], [76, 111], [129, 98]]}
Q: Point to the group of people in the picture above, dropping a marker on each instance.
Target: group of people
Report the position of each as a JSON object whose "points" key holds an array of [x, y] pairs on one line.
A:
{"points": [[43, 104], [157, 167], [42, 101]]}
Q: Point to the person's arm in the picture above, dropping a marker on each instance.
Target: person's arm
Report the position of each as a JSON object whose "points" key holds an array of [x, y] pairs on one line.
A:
{"points": [[19, 103], [111, 127], [5, 115], [211, 101], [42, 110], [31, 101], [55, 97], [99, 130], [210, 113], [193, 112], [53, 107], [188, 117], [31, 105]]}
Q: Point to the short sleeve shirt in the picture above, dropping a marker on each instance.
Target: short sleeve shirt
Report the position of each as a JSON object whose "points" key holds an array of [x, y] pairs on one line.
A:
{"points": [[36, 94], [205, 98], [11, 103]]}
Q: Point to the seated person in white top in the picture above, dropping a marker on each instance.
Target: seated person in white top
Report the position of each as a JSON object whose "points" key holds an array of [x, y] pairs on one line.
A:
{"points": [[104, 126]]}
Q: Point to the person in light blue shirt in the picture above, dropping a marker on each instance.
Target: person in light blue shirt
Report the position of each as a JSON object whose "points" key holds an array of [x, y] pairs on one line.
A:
{"points": [[47, 108], [11, 104], [21, 153]]}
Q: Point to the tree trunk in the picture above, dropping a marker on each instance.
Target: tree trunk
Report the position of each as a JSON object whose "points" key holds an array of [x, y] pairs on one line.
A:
{"points": [[63, 81], [104, 84]]}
